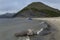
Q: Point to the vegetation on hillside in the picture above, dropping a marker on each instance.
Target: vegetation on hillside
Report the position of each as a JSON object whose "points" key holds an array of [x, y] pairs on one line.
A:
{"points": [[37, 7]]}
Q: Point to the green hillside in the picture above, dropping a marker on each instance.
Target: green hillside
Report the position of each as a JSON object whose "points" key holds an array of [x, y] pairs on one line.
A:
{"points": [[38, 9]]}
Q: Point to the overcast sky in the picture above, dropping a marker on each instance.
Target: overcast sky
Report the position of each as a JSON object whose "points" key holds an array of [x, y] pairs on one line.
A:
{"points": [[16, 5]]}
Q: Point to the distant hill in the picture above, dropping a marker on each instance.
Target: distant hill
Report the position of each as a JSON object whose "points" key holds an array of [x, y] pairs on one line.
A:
{"points": [[7, 15], [38, 9]]}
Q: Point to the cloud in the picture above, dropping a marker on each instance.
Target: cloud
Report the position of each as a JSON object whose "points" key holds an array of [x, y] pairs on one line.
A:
{"points": [[12, 5], [52, 1]]}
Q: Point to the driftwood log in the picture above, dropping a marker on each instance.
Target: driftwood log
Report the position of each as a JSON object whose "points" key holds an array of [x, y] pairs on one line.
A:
{"points": [[25, 33]]}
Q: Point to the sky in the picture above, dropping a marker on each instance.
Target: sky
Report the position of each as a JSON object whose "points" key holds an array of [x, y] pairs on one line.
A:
{"points": [[13, 6]]}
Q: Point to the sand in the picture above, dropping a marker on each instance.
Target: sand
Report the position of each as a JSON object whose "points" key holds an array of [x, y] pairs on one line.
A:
{"points": [[54, 22]]}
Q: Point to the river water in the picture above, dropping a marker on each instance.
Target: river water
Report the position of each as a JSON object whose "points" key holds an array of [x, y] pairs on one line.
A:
{"points": [[10, 26]]}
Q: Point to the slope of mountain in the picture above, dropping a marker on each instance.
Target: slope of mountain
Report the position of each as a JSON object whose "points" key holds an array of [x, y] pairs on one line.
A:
{"points": [[7, 15], [38, 9]]}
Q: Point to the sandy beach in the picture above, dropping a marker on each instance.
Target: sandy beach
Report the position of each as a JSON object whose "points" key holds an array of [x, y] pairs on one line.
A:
{"points": [[54, 22]]}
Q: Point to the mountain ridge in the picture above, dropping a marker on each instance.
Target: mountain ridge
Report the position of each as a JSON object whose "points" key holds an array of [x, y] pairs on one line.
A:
{"points": [[38, 9]]}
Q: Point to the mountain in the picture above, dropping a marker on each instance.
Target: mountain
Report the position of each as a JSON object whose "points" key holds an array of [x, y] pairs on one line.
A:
{"points": [[7, 15], [38, 9]]}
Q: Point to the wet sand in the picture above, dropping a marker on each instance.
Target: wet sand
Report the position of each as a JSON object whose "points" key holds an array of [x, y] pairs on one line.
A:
{"points": [[55, 23]]}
